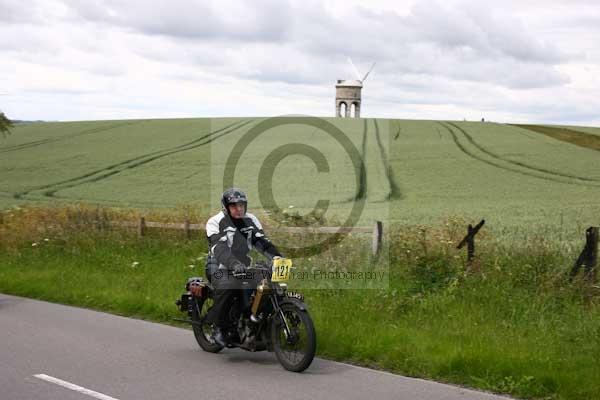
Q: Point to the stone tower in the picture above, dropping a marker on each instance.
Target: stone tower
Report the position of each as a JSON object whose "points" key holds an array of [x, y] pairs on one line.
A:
{"points": [[347, 98]]}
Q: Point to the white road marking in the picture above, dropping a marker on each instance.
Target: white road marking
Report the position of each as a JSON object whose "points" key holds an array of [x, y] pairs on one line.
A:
{"points": [[74, 387]]}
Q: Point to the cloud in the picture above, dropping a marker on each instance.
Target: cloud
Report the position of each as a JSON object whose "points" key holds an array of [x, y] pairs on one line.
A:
{"points": [[14, 12], [281, 57], [303, 42], [261, 20], [16, 39], [478, 26]]}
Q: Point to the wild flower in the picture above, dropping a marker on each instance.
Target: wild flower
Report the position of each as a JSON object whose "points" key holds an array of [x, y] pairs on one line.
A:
{"points": [[135, 264], [34, 244]]}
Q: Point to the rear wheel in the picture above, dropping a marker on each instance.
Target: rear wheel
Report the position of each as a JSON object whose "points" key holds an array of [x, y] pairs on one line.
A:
{"points": [[295, 351], [203, 331]]}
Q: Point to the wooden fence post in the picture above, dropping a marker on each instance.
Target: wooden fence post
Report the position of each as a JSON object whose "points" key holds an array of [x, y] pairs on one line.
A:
{"points": [[98, 223], [589, 255], [470, 244], [469, 240], [141, 227], [377, 237], [186, 227]]}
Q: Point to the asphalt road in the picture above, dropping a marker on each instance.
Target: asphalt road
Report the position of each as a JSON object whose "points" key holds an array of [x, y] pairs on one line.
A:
{"points": [[125, 359]]}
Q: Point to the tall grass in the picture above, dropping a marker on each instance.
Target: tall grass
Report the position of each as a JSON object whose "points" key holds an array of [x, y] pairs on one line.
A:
{"points": [[513, 323]]}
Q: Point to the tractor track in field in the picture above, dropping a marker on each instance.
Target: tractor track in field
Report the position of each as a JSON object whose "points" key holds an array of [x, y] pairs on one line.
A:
{"points": [[398, 130], [494, 164], [521, 164], [141, 160], [95, 201], [25, 145], [132, 163], [394, 192], [361, 193], [36, 143]]}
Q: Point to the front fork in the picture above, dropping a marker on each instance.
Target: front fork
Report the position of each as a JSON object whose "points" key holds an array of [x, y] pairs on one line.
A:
{"points": [[286, 328]]}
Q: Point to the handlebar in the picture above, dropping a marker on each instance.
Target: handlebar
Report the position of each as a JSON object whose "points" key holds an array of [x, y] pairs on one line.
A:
{"points": [[253, 267], [259, 266]]}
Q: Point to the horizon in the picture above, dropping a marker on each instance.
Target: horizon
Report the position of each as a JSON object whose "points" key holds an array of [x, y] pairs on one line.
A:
{"points": [[17, 121]]}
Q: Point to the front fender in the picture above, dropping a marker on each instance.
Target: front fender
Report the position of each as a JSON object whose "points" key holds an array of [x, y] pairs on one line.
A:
{"points": [[290, 300]]}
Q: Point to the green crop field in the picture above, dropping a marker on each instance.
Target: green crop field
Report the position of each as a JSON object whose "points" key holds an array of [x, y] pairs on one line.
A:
{"points": [[414, 171], [585, 129]]}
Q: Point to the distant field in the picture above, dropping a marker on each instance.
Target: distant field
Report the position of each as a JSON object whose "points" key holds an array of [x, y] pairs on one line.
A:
{"points": [[415, 171], [585, 129], [572, 135]]}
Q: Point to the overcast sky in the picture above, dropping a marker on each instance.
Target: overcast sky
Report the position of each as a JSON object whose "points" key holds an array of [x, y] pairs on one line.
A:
{"points": [[507, 61]]}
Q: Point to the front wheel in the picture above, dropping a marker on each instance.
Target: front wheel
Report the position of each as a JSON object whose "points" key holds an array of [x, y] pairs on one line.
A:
{"points": [[295, 351], [203, 332]]}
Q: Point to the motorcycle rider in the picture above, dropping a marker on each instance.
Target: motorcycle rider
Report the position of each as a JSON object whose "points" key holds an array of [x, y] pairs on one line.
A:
{"points": [[231, 234]]}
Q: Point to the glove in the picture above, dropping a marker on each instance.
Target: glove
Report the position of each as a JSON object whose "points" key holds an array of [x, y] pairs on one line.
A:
{"points": [[195, 285], [239, 268], [196, 289]]}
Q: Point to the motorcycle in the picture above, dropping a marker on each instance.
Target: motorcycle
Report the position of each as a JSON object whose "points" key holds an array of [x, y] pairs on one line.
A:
{"points": [[264, 315]]}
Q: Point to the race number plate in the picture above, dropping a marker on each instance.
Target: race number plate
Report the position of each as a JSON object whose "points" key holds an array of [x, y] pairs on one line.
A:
{"points": [[281, 269]]}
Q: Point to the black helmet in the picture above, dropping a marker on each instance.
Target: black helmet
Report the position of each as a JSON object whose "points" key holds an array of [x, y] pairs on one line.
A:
{"points": [[231, 196]]}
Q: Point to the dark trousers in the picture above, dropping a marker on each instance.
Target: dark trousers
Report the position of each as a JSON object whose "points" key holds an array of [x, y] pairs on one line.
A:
{"points": [[227, 288]]}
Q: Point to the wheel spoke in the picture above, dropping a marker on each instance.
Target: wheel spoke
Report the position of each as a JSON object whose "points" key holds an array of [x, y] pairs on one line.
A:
{"points": [[298, 331], [204, 331]]}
